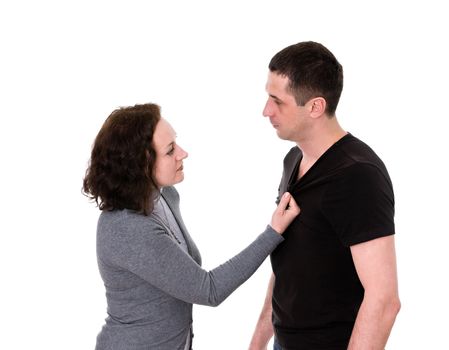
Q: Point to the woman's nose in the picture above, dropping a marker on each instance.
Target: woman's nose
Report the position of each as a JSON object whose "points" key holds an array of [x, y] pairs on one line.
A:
{"points": [[182, 153]]}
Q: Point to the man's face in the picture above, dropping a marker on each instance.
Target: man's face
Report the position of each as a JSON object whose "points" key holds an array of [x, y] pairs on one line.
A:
{"points": [[285, 115]]}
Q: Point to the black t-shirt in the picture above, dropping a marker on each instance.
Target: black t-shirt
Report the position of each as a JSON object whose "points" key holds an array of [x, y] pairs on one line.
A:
{"points": [[346, 198]]}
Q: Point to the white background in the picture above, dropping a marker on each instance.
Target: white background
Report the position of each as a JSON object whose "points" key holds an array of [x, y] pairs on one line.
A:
{"points": [[66, 65]]}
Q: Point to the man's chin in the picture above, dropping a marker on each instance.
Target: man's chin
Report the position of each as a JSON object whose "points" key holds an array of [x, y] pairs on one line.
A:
{"points": [[281, 135]]}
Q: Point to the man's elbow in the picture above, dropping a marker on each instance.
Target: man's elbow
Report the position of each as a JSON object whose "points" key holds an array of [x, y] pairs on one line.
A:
{"points": [[391, 307], [395, 306], [387, 305]]}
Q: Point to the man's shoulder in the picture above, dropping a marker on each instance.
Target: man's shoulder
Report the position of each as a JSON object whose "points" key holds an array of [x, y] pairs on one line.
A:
{"points": [[360, 165], [359, 152]]}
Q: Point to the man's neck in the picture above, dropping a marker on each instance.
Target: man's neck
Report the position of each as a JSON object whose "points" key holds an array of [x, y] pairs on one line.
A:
{"points": [[317, 143]]}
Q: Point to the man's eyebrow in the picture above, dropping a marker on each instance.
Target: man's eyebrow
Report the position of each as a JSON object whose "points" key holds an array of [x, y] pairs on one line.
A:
{"points": [[275, 97]]}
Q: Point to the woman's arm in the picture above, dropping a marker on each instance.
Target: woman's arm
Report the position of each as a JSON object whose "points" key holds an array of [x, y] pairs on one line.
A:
{"points": [[147, 251]]}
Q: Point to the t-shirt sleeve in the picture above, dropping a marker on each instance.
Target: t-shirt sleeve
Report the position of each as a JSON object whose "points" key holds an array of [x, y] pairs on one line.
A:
{"points": [[359, 204]]}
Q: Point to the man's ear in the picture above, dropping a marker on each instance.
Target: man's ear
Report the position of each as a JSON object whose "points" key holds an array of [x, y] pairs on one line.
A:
{"points": [[317, 107]]}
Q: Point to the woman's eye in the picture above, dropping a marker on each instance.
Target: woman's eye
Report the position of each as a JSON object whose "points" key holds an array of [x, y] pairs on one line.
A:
{"points": [[169, 153]]}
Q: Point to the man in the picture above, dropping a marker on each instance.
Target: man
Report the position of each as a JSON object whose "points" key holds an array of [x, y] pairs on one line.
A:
{"points": [[334, 283]]}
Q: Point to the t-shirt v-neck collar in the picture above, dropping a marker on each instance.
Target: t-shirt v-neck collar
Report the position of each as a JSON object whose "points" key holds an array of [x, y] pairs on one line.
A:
{"points": [[295, 182]]}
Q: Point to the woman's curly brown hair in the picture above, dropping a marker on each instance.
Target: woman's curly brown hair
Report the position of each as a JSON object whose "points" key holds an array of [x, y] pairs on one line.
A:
{"points": [[120, 171]]}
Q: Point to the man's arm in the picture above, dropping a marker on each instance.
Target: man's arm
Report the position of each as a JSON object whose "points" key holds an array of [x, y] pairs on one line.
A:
{"points": [[375, 262], [264, 328]]}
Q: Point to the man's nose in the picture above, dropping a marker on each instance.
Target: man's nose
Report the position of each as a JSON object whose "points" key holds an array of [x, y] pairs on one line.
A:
{"points": [[268, 110]]}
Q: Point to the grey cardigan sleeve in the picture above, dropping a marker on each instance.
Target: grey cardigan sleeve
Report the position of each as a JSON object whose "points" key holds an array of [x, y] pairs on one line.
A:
{"points": [[147, 251]]}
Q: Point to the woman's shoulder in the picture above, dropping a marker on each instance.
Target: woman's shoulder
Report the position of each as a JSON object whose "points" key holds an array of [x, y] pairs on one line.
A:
{"points": [[125, 222], [124, 235]]}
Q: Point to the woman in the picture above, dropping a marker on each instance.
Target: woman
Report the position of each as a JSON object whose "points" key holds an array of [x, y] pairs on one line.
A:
{"points": [[150, 265]]}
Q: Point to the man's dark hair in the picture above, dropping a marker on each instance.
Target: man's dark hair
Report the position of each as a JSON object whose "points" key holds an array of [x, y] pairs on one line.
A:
{"points": [[313, 71]]}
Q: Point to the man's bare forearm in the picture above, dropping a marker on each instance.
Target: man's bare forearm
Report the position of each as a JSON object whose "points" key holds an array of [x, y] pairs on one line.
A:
{"points": [[375, 262], [374, 323]]}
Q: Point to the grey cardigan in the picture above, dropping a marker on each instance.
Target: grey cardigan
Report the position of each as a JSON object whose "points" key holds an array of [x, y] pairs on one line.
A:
{"points": [[151, 283]]}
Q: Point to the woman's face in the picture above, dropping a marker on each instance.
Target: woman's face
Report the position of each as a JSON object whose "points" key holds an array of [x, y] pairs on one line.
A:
{"points": [[168, 168]]}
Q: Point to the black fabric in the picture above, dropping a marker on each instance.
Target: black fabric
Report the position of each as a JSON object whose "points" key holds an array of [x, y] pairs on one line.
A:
{"points": [[346, 198]]}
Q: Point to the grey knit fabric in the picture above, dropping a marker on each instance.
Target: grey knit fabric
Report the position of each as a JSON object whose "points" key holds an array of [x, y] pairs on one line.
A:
{"points": [[163, 212], [151, 282]]}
